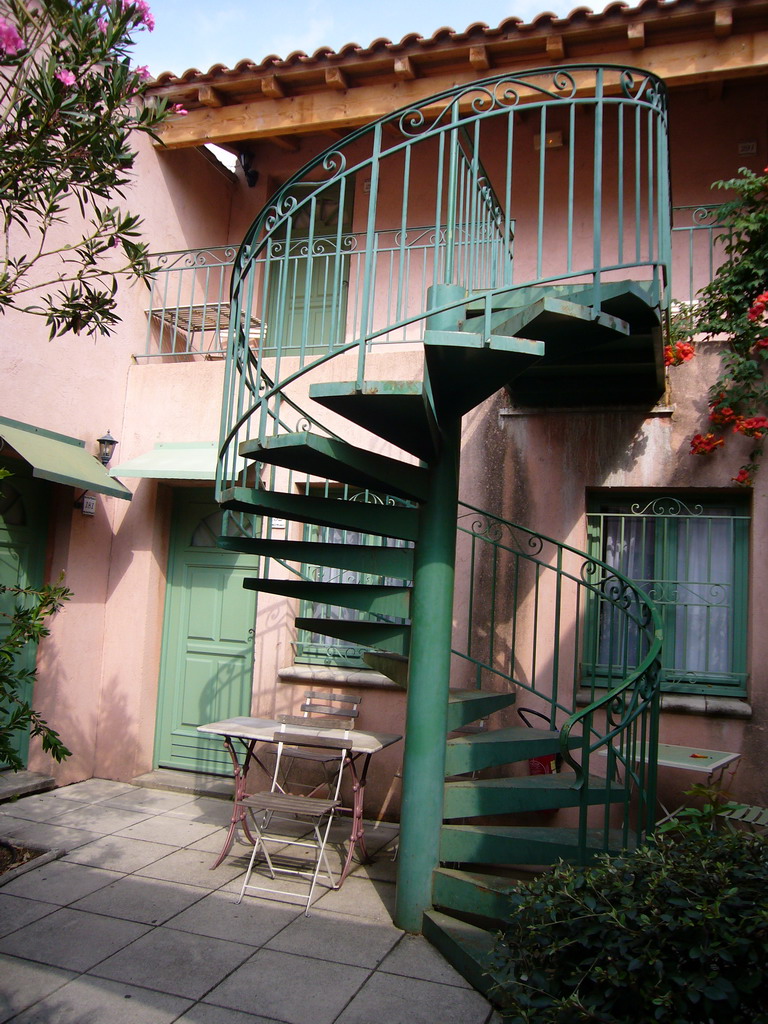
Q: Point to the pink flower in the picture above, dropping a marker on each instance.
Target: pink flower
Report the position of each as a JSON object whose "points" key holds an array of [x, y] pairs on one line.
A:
{"points": [[102, 26], [10, 40], [65, 77], [142, 11], [177, 108], [143, 72]]}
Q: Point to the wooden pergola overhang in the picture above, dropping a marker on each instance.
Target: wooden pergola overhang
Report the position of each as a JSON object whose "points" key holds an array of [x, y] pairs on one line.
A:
{"points": [[685, 42]]}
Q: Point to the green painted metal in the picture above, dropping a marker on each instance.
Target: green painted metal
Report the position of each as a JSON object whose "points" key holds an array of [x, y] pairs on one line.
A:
{"points": [[428, 684], [498, 844], [465, 706], [479, 797], [393, 666], [384, 520], [466, 946], [389, 636], [499, 746], [336, 460], [394, 410], [373, 560], [470, 892], [381, 600]]}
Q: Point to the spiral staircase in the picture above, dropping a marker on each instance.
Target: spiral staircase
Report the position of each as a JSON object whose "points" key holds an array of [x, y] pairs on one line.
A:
{"points": [[541, 271]]}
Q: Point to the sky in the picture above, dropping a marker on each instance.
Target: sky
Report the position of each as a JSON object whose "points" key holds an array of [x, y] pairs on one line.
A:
{"points": [[200, 33]]}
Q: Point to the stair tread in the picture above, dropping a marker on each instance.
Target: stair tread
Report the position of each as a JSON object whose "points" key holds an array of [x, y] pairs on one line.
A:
{"points": [[392, 410], [375, 598], [334, 459], [372, 559], [507, 735]]}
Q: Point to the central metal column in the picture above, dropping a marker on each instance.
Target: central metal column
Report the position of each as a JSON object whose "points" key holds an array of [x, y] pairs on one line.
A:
{"points": [[421, 813]]}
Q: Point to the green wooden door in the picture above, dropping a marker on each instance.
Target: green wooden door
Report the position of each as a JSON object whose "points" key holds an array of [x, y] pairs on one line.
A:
{"points": [[23, 528], [206, 662]]}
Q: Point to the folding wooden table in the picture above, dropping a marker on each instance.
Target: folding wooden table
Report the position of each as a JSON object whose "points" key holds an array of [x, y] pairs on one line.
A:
{"points": [[249, 732]]}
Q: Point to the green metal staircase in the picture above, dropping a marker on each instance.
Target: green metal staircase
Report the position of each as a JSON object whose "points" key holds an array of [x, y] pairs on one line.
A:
{"points": [[344, 416]]}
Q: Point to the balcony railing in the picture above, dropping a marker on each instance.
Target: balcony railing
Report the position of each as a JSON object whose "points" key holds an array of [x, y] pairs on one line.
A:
{"points": [[188, 313]]}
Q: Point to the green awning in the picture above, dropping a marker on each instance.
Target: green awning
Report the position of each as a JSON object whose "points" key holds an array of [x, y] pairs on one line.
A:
{"points": [[60, 458], [171, 461]]}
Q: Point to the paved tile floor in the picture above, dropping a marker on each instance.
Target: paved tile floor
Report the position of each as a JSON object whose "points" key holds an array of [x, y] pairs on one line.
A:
{"points": [[131, 926]]}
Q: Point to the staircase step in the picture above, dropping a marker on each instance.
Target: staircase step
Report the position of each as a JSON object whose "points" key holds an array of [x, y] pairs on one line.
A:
{"points": [[466, 368], [359, 516], [376, 599], [334, 459], [465, 706], [479, 797], [371, 559], [633, 301], [389, 636], [393, 666], [550, 319], [472, 892], [465, 946], [500, 746], [392, 410], [497, 844]]}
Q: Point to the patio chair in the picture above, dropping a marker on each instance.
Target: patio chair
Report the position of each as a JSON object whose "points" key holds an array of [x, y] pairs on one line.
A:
{"points": [[337, 711], [275, 808]]}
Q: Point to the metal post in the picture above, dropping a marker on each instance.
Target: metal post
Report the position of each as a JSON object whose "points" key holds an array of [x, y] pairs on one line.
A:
{"points": [[430, 665]]}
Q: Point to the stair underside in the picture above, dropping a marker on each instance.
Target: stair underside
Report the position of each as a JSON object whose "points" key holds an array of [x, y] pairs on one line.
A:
{"points": [[393, 410], [386, 636], [467, 947], [332, 459], [465, 706], [371, 559], [392, 665], [360, 516], [373, 598]]}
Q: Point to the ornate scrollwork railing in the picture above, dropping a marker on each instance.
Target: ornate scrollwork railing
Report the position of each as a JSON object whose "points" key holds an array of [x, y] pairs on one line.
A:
{"points": [[534, 621]]}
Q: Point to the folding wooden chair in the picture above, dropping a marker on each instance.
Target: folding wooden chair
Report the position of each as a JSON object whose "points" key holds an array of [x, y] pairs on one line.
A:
{"points": [[339, 710], [268, 810]]}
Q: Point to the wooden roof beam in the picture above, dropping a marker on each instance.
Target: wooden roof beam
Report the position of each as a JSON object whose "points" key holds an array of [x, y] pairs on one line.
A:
{"points": [[272, 88], [478, 58], [210, 97], [636, 36], [690, 63], [336, 79], [555, 48], [404, 68]]}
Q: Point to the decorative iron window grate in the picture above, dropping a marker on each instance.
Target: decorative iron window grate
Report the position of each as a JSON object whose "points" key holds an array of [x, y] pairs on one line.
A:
{"points": [[690, 556]]}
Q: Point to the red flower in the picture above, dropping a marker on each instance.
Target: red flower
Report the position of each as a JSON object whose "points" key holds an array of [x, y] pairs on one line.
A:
{"points": [[742, 477], [705, 444], [751, 426], [722, 416], [678, 353], [761, 344]]}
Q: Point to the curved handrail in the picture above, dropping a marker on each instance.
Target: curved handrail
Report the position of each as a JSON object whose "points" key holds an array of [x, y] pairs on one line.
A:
{"points": [[339, 260], [559, 594]]}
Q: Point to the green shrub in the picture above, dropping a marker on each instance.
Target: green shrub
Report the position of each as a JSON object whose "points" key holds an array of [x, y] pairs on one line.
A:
{"points": [[675, 932]]}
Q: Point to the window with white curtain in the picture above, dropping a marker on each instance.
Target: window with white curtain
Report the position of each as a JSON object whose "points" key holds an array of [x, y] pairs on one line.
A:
{"points": [[690, 556]]}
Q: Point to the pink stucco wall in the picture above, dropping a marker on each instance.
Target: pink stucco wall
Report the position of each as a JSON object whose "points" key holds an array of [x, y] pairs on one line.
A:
{"points": [[99, 671]]}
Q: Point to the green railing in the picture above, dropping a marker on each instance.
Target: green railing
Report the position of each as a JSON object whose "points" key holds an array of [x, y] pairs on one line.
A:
{"points": [[476, 163], [536, 614]]}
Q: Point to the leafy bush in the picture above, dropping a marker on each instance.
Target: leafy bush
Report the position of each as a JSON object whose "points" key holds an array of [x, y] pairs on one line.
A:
{"points": [[675, 932]]}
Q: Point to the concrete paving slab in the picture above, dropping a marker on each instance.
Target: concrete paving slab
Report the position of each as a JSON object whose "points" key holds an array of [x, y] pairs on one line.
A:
{"points": [[153, 801], [203, 1013], [15, 912], [194, 867], [295, 989], [175, 962], [100, 818], [49, 836], [94, 790], [398, 1000], [207, 810], [89, 1000], [145, 900], [116, 853], [335, 937], [60, 882], [414, 957], [161, 828], [253, 922], [23, 983], [43, 807], [373, 901], [72, 939]]}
